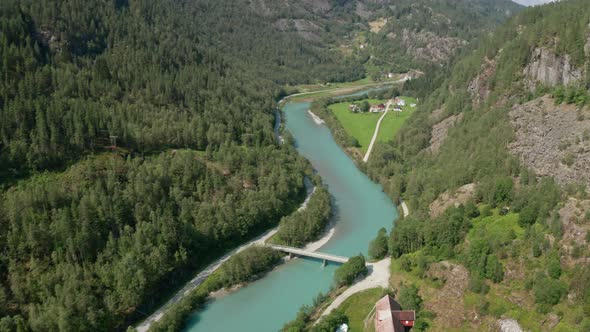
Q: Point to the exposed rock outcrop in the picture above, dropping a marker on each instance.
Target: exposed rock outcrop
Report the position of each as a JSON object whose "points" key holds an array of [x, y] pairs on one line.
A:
{"points": [[307, 29], [447, 302], [550, 69], [427, 45], [479, 87], [447, 199], [575, 229], [553, 140], [440, 131], [509, 325]]}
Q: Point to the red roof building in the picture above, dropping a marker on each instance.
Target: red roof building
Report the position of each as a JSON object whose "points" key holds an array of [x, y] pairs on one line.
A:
{"points": [[390, 318]]}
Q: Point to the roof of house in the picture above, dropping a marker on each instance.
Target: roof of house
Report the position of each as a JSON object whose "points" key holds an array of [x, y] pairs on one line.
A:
{"points": [[389, 316]]}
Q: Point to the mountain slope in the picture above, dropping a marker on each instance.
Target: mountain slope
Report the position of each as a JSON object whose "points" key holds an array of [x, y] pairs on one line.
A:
{"points": [[519, 107], [388, 36], [137, 143]]}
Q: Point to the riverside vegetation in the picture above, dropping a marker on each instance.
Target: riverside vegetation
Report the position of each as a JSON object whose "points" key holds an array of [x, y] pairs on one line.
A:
{"points": [[300, 227]]}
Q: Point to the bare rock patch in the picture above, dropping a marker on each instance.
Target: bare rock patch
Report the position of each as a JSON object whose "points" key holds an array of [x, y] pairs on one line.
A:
{"points": [[447, 199], [440, 131], [553, 140]]}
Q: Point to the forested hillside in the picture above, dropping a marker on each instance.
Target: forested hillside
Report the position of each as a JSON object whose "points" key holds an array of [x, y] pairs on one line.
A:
{"points": [[136, 144], [493, 166]]}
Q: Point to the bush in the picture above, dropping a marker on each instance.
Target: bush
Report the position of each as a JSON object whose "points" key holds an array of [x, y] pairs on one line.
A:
{"points": [[349, 271], [527, 216], [478, 285], [378, 248], [554, 266], [471, 210], [494, 269], [331, 322], [486, 211], [406, 263], [409, 299], [548, 291]]}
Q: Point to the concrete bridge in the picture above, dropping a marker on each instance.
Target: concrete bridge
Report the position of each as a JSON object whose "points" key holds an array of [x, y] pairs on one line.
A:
{"points": [[312, 254]]}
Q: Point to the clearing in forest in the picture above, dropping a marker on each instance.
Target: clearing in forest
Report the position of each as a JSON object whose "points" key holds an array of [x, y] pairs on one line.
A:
{"points": [[361, 126]]}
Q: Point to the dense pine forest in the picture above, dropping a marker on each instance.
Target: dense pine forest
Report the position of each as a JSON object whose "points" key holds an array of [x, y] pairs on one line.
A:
{"points": [[136, 144]]}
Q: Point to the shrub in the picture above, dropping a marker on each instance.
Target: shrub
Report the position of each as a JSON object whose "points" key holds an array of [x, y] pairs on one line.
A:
{"points": [[486, 211], [409, 299], [406, 262], [471, 210], [548, 291], [378, 248], [494, 269], [554, 266], [478, 285], [349, 271], [331, 322], [527, 216], [568, 159]]}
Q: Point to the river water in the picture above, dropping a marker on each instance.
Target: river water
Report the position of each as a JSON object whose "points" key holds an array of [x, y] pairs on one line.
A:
{"points": [[360, 210]]}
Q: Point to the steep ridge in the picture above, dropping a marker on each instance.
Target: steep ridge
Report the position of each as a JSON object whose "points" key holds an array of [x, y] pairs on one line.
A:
{"points": [[523, 95]]}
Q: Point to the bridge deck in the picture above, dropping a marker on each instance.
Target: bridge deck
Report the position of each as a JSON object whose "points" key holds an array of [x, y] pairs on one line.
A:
{"points": [[313, 254]]}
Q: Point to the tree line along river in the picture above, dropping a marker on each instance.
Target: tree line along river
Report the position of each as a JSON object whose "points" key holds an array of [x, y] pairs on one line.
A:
{"points": [[360, 210]]}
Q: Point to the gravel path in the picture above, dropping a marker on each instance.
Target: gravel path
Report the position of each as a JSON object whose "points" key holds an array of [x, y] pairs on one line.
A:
{"points": [[405, 209], [199, 278], [378, 277], [376, 133]]}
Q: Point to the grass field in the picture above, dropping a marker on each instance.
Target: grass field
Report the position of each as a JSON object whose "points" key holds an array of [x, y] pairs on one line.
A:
{"points": [[362, 125], [358, 306], [503, 228]]}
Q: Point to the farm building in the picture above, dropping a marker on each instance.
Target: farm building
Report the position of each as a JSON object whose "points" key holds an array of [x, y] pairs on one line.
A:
{"points": [[388, 316], [354, 108], [399, 102], [377, 108]]}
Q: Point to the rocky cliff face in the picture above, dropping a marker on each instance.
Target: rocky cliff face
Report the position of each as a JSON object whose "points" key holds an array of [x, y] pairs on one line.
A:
{"points": [[427, 45], [546, 67], [553, 140], [479, 87]]}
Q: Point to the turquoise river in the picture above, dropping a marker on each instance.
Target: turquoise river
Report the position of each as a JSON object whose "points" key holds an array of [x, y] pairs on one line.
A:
{"points": [[360, 207]]}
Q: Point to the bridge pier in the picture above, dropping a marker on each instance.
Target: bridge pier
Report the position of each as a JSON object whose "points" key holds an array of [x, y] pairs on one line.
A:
{"points": [[324, 263], [290, 256]]}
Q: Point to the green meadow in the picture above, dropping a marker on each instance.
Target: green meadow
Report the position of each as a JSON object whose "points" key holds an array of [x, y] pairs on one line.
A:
{"points": [[362, 125]]}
